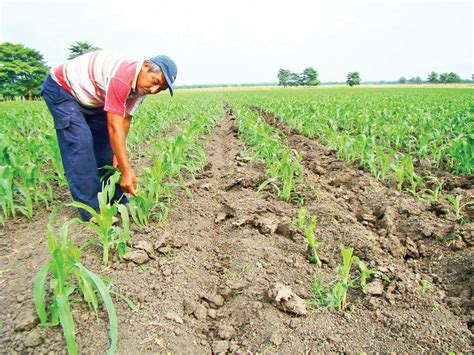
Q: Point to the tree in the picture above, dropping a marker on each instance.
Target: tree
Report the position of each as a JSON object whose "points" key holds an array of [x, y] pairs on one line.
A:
{"points": [[433, 78], [454, 78], [294, 79], [402, 80], [79, 48], [283, 77], [443, 78], [415, 80], [449, 78], [309, 77], [22, 70], [353, 78]]}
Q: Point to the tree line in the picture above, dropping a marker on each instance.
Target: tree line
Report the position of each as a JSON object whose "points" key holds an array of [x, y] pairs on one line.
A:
{"points": [[309, 77], [433, 78], [22, 71]]}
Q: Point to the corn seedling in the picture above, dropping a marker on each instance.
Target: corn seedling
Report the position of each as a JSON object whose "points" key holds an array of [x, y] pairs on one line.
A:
{"points": [[455, 201], [307, 224], [283, 164], [366, 273], [109, 235], [301, 218], [313, 242], [382, 132], [335, 296], [68, 277], [340, 289]]}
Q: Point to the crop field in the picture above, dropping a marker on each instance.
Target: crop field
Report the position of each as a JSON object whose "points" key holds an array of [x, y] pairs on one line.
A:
{"points": [[267, 220]]}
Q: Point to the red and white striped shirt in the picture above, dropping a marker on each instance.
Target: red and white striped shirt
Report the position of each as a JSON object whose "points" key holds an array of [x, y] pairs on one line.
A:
{"points": [[101, 78]]}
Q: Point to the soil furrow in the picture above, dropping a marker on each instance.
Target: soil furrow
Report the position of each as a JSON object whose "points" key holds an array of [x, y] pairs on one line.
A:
{"points": [[221, 252], [420, 239]]}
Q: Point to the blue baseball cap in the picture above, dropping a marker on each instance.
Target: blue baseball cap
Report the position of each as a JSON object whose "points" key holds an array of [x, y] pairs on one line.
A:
{"points": [[169, 69]]}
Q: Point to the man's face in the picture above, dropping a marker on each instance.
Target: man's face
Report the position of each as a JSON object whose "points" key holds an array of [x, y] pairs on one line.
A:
{"points": [[149, 83]]}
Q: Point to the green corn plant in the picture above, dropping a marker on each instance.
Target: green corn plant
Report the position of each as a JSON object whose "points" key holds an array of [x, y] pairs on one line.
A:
{"points": [[336, 296], [366, 273], [455, 201], [290, 176], [140, 207], [313, 242], [109, 235], [27, 208], [344, 282], [307, 224], [435, 193], [301, 218], [68, 277], [399, 170], [410, 175], [6, 192], [283, 164]]}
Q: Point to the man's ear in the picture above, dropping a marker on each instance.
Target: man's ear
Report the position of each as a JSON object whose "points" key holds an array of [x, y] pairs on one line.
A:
{"points": [[146, 65]]}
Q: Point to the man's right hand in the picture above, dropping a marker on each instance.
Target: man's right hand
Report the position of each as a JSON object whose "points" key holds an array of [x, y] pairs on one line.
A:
{"points": [[129, 182]]}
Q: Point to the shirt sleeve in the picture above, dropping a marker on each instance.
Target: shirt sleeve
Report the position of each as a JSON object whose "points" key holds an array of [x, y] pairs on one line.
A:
{"points": [[116, 97], [133, 102]]}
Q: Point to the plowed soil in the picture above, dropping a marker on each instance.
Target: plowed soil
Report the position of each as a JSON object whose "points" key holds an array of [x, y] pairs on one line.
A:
{"points": [[208, 286]]}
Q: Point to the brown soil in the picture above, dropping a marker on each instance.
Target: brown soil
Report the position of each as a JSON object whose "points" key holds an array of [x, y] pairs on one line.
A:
{"points": [[221, 253]]}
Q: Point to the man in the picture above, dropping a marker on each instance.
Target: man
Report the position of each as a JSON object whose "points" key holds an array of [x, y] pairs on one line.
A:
{"points": [[92, 99]]}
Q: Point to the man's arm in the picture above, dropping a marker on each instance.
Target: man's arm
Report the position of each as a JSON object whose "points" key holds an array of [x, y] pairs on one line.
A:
{"points": [[126, 123], [126, 126], [118, 128]]}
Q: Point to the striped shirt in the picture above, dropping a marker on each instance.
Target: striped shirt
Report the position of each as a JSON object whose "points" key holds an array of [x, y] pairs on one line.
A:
{"points": [[101, 78]]}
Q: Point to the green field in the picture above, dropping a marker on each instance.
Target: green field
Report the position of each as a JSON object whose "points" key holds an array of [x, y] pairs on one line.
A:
{"points": [[415, 145]]}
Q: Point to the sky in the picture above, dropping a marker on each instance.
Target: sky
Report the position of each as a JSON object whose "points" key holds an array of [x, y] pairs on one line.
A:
{"points": [[216, 42]]}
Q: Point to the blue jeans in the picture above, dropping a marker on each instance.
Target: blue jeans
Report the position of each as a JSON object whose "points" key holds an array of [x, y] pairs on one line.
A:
{"points": [[84, 143]]}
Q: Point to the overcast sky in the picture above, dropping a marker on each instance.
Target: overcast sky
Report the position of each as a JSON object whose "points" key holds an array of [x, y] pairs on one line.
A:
{"points": [[248, 41]]}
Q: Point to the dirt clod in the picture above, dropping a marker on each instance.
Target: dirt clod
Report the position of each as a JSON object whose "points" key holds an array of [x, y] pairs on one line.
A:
{"points": [[147, 247], [190, 306], [26, 320], [212, 313], [375, 288], [276, 339], [226, 332], [200, 313], [215, 301], [174, 317], [286, 300], [137, 256], [266, 225], [159, 241], [236, 284], [220, 346], [34, 338], [287, 230]]}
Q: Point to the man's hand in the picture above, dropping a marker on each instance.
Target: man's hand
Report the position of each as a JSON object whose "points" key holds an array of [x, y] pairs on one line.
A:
{"points": [[118, 129], [129, 182], [115, 162]]}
